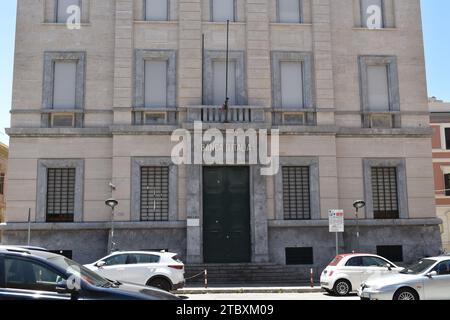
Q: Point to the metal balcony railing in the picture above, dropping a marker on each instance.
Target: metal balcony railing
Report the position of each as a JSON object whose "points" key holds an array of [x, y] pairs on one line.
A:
{"points": [[234, 114]]}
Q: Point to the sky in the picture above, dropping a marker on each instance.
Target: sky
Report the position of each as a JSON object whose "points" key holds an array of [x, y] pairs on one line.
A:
{"points": [[435, 17]]}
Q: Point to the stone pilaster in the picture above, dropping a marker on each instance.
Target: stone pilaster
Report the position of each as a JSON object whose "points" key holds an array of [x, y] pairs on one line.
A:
{"points": [[123, 62], [321, 18]]}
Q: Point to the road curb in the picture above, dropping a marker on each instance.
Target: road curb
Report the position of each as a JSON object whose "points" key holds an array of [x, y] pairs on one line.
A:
{"points": [[249, 290]]}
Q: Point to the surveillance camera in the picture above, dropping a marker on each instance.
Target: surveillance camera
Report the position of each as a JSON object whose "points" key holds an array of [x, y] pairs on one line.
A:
{"points": [[113, 186]]}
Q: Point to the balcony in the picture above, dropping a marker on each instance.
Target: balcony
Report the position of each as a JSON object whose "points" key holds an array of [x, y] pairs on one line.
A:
{"points": [[234, 114]]}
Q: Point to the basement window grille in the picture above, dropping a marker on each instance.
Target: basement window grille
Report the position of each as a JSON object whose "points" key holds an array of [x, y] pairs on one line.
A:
{"points": [[385, 195], [60, 194], [392, 253], [296, 193], [299, 256], [154, 193]]}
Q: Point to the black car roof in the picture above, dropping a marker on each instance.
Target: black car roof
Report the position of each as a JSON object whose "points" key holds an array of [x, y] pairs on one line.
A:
{"points": [[31, 251]]}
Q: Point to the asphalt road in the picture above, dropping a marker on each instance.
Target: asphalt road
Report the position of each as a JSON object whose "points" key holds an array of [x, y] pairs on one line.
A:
{"points": [[268, 296]]}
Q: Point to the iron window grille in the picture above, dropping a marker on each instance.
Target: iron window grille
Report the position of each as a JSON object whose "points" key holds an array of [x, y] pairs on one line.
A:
{"points": [[296, 193], [299, 256], [60, 194], [154, 193], [447, 184], [385, 193], [392, 253]]}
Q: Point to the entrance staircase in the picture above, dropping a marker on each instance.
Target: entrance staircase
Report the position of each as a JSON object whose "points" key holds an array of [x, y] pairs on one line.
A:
{"points": [[249, 274]]}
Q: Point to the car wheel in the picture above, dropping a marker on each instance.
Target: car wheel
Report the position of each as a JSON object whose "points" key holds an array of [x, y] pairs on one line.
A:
{"points": [[406, 294], [342, 287], [160, 283]]}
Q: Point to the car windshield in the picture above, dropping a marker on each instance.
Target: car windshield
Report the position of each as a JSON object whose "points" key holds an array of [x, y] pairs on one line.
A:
{"points": [[419, 267], [80, 271]]}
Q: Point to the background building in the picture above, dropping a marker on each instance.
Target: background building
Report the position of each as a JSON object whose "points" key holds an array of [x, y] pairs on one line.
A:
{"points": [[3, 170], [98, 105], [440, 122]]}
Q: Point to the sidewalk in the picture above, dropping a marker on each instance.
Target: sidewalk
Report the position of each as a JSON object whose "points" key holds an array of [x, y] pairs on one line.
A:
{"points": [[192, 289]]}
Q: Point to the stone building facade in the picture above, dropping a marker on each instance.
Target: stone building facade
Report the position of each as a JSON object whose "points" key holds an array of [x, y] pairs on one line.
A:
{"points": [[440, 123], [97, 105], [3, 170]]}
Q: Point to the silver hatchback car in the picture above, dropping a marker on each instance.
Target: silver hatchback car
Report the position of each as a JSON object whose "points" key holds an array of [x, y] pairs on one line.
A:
{"points": [[428, 279]]}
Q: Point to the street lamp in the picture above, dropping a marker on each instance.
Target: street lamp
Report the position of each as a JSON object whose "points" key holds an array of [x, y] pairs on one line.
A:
{"points": [[112, 203], [359, 204]]}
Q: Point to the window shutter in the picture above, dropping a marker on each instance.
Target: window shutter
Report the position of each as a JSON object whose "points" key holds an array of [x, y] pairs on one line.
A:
{"points": [[365, 4], [156, 83], [223, 10], [291, 84], [378, 88], [62, 6], [219, 77], [289, 11], [64, 85], [156, 10]]}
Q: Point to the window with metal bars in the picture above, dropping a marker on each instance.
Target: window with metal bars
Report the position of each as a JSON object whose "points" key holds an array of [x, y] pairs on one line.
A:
{"points": [[447, 184], [2, 183], [60, 194], [296, 193], [385, 194], [154, 193]]}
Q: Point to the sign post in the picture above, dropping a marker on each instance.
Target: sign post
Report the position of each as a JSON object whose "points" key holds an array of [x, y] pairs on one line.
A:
{"points": [[336, 224]]}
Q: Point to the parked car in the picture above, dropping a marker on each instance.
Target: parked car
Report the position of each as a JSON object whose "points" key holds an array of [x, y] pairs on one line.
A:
{"points": [[428, 279], [347, 271], [156, 269], [27, 274]]}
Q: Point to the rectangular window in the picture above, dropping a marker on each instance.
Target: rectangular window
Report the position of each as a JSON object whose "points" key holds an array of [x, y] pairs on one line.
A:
{"points": [[64, 85], [61, 11], [447, 184], [60, 194], [289, 11], [2, 183], [296, 193], [299, 256], [154, 193], [385, 194], [392, 253], [223, 10], [156, 83], [219, 82], [156, 10], [370, 8], [447, 138], [378, 88], [291, 84]]}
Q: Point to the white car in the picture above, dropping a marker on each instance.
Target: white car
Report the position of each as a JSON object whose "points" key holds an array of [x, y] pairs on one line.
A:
{"points": [[429, 279], [347, 271], [156, 269]]}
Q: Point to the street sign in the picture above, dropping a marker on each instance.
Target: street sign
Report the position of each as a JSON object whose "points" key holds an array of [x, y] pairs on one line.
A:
{"points": [[336, 220]]}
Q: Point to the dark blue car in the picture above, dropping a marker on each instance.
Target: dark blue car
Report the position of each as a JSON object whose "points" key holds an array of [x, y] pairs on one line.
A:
{"points": [[28, 274]]}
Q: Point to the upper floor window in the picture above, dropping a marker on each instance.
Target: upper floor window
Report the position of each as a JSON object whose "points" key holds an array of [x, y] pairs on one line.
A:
{"points": [[2, 183], [64, 84], [156, 10], [447, 138], [223, 10], [447, 184], [219, 82], [378, 87], [291, 84], [156, 83], [372, 14], [290, 11], [62, 9]]}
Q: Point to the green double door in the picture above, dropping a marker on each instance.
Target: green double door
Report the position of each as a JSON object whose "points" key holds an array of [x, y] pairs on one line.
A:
{"points": [[226, 215]]}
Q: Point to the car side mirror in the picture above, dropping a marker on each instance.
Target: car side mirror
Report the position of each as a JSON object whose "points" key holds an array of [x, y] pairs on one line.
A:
{"points": [[100, 264], [432, 274], [389, 266]]}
